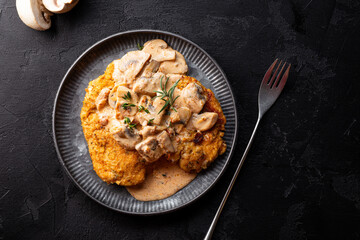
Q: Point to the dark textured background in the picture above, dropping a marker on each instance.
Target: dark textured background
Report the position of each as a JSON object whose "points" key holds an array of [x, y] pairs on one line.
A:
{"points": [[301, 179]]}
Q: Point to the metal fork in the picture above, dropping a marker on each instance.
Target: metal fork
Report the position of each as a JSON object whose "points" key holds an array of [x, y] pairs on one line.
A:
{"points": [[269, 91]]}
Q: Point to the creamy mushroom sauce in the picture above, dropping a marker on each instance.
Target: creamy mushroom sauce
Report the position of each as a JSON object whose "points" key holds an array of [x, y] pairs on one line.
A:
{"points": [[163, 179], [135, 115]]}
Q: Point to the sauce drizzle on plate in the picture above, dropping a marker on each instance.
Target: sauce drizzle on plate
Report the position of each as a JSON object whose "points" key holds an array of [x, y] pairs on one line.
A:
{"points": [[163, 179]]}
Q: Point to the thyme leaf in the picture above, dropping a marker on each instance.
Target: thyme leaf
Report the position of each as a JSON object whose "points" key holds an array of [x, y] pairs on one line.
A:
{"points": [[127, 105], [143, 108], [128, 122], [139, 46], [167, 96], [127, 96]]}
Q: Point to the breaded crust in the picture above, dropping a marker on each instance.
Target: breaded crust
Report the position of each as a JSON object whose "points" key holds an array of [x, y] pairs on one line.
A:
{"points": [[111, 162], [200, 149], [114, 164]]}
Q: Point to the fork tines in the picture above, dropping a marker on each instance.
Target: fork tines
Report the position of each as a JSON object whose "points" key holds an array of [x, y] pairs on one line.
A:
{"points": [[270, 75]]}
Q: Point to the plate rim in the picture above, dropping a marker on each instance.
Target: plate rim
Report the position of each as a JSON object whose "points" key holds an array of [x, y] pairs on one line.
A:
{"points": [[61, 160]]}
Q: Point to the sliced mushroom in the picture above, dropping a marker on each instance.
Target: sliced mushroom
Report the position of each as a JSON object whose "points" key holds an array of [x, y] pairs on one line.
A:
{"points": [[148, 86], [145, 100], [102, 98], [148, 131], [190, 125], [126, 137], [144, 86], [165, 142], [126, 106], [34, 14], [159, 50], [174, 117], [149, 69], [113, 97], [185, 114], [128, 67], [182, 115], [178, 65], [117, 74], [193, 96], [155, 109], [150, 149], [204, 121], [172, 79], [59, 6], [142, 116], [151, 130], [152, 115]]}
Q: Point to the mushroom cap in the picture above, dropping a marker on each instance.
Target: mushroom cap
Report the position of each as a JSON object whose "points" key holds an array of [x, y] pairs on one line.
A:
{"points": [[193, 96], [159, 50], [182, 115], [128, 67], [141, 116], [204, 121], [59, 6], [165, 142], [126, 111], [150, 68], [128, 138], [149, 85], [33, 14], [150, 149], [176, 66], [112, 98]]}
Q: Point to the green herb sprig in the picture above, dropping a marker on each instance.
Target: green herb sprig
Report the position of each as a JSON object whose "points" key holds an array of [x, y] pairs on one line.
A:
{"points": [[151, 121], [127, 105], [143, 108], [127, 96], [139, 46], [128, 122], [167, 96]]}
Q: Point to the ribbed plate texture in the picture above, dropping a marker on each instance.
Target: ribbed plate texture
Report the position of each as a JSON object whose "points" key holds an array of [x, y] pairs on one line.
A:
{"points": [[72, 147]]}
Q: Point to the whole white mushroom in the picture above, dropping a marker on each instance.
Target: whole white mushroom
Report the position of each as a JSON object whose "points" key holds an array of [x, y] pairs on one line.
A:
{"points": [[34, 14]]}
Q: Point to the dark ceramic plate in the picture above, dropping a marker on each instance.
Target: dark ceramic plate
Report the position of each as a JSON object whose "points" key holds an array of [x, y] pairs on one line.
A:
{"points": [[72, 147]]}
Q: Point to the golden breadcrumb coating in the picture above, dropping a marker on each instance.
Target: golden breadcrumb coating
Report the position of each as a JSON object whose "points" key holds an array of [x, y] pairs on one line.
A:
{"points": [[114, 164]]}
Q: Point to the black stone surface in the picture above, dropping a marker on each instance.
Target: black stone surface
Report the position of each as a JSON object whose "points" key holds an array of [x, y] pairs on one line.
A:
{"points": [[301, 179]]}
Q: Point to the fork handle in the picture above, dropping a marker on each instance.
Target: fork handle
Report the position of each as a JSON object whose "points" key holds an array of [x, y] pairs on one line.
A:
{"points": [[217, 215]]}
